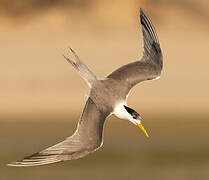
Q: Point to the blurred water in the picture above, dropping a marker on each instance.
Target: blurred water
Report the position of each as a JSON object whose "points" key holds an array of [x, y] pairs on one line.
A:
{"points": [[176, 150]]}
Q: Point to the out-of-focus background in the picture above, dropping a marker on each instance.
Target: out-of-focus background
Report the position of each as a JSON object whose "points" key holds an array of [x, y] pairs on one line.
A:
{"points": [[42, 96]]}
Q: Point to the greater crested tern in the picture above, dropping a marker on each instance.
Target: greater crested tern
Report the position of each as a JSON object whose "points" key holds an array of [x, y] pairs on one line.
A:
{"points": [[107, 96]]}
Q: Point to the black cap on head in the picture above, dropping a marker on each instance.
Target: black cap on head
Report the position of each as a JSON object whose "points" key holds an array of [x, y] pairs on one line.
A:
{"points": [[132, 112]]}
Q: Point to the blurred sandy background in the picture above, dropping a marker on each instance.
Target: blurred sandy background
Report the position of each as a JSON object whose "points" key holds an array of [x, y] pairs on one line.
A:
{"points": [[42, 96]]}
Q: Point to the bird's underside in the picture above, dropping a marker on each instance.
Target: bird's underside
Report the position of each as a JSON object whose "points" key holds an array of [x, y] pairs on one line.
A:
{"points": [[103, 95]]}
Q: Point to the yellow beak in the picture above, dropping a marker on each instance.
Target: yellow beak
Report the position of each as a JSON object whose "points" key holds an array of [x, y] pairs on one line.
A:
{"points": [[143, 129]]}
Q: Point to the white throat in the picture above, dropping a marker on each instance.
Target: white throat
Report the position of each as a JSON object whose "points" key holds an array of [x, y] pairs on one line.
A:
{"points": [[121, 112]]}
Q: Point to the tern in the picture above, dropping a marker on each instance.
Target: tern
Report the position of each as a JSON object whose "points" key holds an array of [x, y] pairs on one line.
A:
{"points": [[107, 96]]}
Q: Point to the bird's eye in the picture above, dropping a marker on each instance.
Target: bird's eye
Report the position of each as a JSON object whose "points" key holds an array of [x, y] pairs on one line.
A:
{"points": [[135, 116]]}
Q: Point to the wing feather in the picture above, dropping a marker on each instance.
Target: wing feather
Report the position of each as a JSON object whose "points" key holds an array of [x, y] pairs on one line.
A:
{"points": [[86, 139], [151, 63]]}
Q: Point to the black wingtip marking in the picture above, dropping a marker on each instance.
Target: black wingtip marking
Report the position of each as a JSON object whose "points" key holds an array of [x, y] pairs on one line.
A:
{"points": [[148, 26], [141, 11], [142, 16]]}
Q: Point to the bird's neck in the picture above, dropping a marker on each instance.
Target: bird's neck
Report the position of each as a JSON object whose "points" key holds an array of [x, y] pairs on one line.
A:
{"points": [[121, 112]]}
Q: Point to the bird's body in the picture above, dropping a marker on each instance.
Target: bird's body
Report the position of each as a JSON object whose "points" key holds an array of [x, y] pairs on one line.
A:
{"points": [[107, 96], [113, 92]]}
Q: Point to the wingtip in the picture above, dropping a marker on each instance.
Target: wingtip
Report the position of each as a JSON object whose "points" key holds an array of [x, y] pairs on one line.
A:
{"points": [[142, 15], [141, 11], [13, 164], [32, 164], [148, 27]]}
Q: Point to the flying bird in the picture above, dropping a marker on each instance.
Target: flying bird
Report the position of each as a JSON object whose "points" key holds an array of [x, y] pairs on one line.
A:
{"points": [[107, 96]]}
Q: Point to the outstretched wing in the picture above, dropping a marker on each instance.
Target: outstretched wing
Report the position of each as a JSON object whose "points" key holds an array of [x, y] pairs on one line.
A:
{"points": [[87, 138], [149, 66]]}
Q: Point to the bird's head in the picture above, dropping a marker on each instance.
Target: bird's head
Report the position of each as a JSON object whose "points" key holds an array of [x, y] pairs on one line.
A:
{"points": [[135, 118]]}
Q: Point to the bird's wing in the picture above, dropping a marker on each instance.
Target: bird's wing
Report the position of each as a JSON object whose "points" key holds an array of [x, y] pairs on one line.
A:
{"points": [[149, 66], [87, 138]]}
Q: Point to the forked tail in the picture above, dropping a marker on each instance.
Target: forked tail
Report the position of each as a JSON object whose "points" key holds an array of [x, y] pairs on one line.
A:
{"points": [[83, 70]]}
